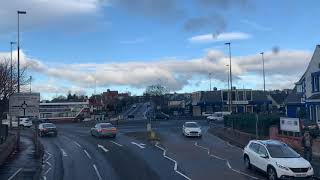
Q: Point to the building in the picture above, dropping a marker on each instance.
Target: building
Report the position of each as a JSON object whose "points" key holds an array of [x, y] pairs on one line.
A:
{"points": [[179, 104], [64, 111], [308, 90], [243, 101], [278, 101]]}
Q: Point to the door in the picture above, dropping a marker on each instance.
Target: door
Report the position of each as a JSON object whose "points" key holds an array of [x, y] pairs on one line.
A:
{"points": [[253, 153], [263, 158]]}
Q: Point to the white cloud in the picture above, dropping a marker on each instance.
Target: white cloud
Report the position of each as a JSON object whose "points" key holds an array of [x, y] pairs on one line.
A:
{"points": [[227, 36], [282, 69], [71, 13]]}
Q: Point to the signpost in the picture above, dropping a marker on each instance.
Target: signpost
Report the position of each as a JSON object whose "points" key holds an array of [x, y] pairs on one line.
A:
{"points": [[23, 105], [289, 124]]}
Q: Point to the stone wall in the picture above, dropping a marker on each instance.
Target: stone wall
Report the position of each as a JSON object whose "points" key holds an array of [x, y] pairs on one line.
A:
{"points": [[7, 148]]}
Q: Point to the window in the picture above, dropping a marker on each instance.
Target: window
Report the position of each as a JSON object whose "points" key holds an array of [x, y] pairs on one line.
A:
{"points": [[248, 95], [299, 88], [233, 96], [240, 95], [254, 147], [315, 83], [318, 113], [225, 96], [262, 150]]}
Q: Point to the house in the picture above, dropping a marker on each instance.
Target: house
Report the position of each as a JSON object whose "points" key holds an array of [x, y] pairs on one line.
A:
{"points": [[278, 98], [308, 87], [243, 101]]}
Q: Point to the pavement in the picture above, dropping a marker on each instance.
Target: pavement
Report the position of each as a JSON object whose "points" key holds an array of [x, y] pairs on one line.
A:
{"points": [[23, 159]]}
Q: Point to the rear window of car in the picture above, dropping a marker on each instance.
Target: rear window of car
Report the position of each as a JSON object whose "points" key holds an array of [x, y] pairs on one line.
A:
{"points": [[191, 125], [106, 125], [48, 125]]}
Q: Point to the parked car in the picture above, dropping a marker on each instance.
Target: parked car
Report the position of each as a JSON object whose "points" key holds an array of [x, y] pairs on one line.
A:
{"points": [[218, 116], [161, 115], [104, 130], [276, 159], [47, 129], [25, 122], [130, 116], [206, 114], [191, 129], [134, 106]]}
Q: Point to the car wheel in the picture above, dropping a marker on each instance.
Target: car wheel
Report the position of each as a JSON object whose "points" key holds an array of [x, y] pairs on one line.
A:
{"points": [[247, 162], [272, 174], [91, 133]]}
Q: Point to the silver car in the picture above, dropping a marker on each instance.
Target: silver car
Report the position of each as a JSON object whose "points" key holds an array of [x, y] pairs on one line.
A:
{"points": [[104, 130]]}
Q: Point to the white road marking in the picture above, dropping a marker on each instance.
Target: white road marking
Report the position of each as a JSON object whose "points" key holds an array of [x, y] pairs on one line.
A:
{"points": [[44, 178], [47, 171], [140, 145], [227, 162], [77, 144], [120, 145], [175, 162], [49, 164], [63, 152], [14, 174], [103, 148], [97, 172], [86, 152]]}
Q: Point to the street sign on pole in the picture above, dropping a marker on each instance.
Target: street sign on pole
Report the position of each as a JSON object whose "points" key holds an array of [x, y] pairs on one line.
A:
{"points": [[24, 104]]}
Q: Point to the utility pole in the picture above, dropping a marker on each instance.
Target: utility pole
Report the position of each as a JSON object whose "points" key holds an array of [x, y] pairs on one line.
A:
{"points": [[11, 77], [210, 81], [18, 13], [30, 83], [264, 77], [230, 71]]}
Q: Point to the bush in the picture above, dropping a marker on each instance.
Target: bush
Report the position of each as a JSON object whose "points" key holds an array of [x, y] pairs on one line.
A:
{"points": [[247, 123]]}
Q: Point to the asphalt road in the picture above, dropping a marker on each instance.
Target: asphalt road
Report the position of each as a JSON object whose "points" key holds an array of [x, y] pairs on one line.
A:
{"points": [[75, 154]]}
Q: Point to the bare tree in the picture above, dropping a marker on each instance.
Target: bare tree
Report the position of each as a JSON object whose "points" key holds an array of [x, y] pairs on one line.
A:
{"points": [[6, 89], [156, 90]]}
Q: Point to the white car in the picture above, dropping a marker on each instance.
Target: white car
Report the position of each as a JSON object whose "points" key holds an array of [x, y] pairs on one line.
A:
{"points": [[218, 116], [191, 129], [25, 122], [277, 159]]}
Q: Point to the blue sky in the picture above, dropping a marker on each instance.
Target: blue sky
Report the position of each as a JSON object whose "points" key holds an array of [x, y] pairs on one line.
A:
{"points": [[127, 45]]}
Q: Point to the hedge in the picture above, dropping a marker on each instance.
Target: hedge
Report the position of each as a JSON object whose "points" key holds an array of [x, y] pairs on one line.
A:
{"points": [[247, 123]]}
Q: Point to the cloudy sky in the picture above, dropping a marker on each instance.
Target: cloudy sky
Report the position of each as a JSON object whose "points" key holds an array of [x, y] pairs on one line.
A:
{"points": [[129, 44]]}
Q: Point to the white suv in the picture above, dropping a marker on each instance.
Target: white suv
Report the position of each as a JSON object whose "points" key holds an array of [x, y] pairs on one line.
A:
{"points": [[277, 159]]}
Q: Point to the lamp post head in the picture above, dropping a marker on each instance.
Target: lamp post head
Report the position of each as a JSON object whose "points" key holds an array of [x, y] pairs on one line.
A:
{"points": [[228, 43], [262, 53], [21, 12], [12, 42]]}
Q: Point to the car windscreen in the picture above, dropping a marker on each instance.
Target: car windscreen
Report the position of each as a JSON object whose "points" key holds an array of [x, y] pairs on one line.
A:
{"points": [[106, 126], [49, 126], [191, 125], [281, 151]]}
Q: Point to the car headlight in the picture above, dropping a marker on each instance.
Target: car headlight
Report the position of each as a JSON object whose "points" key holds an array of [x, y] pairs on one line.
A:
{"points": [[282, 167], [310, 168]]}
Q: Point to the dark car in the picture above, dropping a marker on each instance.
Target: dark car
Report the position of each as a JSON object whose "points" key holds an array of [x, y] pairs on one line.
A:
{"points": [[104, 130], [130, 116], [46, 129]]}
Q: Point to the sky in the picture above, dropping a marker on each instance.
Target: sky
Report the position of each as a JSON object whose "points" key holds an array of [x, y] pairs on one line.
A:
{"points": [[88, 46]]}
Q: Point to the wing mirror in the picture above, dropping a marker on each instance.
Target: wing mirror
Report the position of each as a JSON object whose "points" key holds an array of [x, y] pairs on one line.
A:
{"points": [[265, 156]]}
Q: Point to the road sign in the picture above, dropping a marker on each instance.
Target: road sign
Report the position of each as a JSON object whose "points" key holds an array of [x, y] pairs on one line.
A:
{"points": [[24, 104]]}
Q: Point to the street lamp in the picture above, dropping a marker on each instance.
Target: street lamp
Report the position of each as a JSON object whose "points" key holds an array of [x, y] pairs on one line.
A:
{"points": [[30, 83], [19, 12], [264, 77], [227, 65], [18, 133], [210, 80], [230, 69], [11, 78]]}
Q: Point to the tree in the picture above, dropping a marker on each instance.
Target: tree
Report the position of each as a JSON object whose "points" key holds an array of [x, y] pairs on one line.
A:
{"points": [[156, 90], [5, 82]]}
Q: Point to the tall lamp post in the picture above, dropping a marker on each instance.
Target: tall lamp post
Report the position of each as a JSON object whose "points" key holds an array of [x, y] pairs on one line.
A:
{"points": [[11, 76], [18, 42], [210, 80], [264, 77], [230, 71]]}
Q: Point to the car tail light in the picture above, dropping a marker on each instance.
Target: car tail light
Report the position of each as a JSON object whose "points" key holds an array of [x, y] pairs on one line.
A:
{"points": [[113, 129], [99, 130]]}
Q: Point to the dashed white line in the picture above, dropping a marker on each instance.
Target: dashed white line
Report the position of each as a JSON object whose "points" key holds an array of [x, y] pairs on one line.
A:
{"points": [[103, 148], [97, 172], [140, 145], [227, 162], [44, 178], [14, 174], [120, 145], [175, 162], [77, 144], [63, 152], [47, 171], [88, 155], [49, 164]]}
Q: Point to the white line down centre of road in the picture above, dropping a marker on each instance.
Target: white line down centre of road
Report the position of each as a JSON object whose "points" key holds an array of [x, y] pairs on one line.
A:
{"points": [[103, 148], [140, 145], [63, 152], [97, 172], [120, 145], [86, 152]]}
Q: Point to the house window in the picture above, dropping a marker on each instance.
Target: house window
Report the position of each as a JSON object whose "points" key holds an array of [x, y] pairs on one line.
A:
{"points": [[225, 96], [299, 88], [315, 83], [318, 113], [233, 96], [240, 95], [248, 95]]}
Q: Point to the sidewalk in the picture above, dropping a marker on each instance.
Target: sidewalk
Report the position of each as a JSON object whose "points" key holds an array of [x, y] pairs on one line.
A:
{"points": [[316, 167], [25, 159]]}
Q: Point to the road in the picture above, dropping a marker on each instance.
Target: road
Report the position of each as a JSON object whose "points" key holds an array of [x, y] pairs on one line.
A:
{"points": [[75, 154]]}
